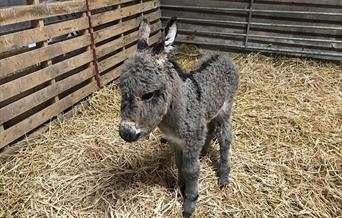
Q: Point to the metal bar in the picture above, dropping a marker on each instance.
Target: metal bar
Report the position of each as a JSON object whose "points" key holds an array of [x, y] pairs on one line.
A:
{"points": [[213, 9], [297, 12], [93, 46], [207, 21], [255, 24], [338, 56], [199, 8], [249, 21], [298, 26], [211, 33]]}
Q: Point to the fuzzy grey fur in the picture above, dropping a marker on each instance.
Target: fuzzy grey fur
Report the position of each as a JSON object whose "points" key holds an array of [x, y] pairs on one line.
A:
{"points": [[190, 109]]}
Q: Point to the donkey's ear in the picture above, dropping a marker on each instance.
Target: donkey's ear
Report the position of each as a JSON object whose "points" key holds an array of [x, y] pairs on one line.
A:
{"points": [[170, 34], [158, 48], [144, 33]]}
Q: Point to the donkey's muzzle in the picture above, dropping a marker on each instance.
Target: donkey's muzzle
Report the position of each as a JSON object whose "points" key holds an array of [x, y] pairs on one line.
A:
{"points": [[129, 132]]}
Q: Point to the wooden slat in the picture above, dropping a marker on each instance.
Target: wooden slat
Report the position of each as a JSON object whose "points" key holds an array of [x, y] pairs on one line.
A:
{"points": [[12, 64], [155, 38], [23, 38], [112, 75], [29, 81], [112, 61], [123, 27], [34, 12], [110, 47], [24, 104], [96, 4], [25, 126], [102, 18]]}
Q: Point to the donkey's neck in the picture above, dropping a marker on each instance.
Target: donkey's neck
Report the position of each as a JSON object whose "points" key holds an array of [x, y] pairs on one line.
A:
{"points": [[176, 110]]}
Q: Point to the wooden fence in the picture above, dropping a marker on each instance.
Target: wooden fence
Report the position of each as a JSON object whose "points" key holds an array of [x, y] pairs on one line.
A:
{"points": [[39, 82], [310, 28]]}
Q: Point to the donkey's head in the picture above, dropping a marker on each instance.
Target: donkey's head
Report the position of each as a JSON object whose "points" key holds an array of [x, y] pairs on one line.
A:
{"points": [[146, 88]]}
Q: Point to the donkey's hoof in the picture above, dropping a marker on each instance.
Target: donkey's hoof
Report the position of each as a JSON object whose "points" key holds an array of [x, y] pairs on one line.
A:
{"points": [[223, 183], [186, 215], [189, 206]]}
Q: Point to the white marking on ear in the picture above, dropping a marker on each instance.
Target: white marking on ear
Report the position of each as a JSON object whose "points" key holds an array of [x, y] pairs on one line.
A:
{"points": [[171, 35]]}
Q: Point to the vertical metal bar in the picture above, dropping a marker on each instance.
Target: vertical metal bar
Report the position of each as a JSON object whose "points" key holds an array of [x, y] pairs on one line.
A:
{"points": [[93, 47], [249, 22]]}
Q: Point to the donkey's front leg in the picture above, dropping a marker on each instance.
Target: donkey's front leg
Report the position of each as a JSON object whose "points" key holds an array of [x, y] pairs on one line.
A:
{"points": [[179, 164], [191, 172]]}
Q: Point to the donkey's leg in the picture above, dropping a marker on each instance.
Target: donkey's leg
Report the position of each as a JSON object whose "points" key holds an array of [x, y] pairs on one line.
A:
{"points": [[179, 163], [191, 172], [209, 138], [224, 135]]}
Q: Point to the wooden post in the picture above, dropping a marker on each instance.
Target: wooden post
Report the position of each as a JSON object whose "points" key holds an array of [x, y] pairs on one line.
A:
{"points": [[40, 24], [123, 49]]}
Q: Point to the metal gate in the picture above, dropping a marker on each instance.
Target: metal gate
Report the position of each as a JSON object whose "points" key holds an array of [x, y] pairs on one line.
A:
{"points": [[309, 28]]}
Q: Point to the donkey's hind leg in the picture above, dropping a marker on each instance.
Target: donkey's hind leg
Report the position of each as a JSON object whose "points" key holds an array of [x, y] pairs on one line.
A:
{"points": [[209, 138], [225, 136]]}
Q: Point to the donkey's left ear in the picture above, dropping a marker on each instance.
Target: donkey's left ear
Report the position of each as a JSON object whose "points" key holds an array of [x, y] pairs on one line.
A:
{"points": [[170, 34], [144, 34]]}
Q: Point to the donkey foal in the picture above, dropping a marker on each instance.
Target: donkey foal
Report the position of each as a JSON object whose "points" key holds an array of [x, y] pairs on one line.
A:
{"points": [[190, 109]]}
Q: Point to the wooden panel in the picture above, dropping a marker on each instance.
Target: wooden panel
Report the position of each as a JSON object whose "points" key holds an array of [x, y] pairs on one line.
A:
{"points": [[12, 110], [99, 19], [123, 27], [121, 56], [15, 132], [12, 64], [27, 82], [122, 41], [23, 38], [34, 12]]}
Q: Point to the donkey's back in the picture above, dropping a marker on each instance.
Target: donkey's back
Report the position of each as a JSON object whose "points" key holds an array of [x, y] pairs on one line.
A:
{"points": [[218, 80]]}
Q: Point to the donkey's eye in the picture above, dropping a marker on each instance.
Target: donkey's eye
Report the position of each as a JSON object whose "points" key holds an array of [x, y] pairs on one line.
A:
{"points": [[147, 96]]}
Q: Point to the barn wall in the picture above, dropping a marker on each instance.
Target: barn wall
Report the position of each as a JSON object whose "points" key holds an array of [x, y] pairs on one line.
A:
{"points": [[49, 66], [310, 28]]}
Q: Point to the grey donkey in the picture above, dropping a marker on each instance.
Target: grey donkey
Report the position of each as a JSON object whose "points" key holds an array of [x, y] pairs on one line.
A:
{"points": [[189, 108]]}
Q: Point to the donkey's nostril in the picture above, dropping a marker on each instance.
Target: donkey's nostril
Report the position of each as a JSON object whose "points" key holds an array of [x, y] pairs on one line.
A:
{"points": [[128, 135]]}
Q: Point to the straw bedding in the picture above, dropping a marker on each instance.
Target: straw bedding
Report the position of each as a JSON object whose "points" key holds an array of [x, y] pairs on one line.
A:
{"points": [[286, 155]]}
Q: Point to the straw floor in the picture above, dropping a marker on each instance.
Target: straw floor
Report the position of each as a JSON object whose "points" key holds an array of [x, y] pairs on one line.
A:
{"points": [[286, 155]]}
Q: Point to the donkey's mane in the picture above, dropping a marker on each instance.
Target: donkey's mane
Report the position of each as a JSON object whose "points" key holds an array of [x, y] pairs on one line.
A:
{"points": [[205, 64]]}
